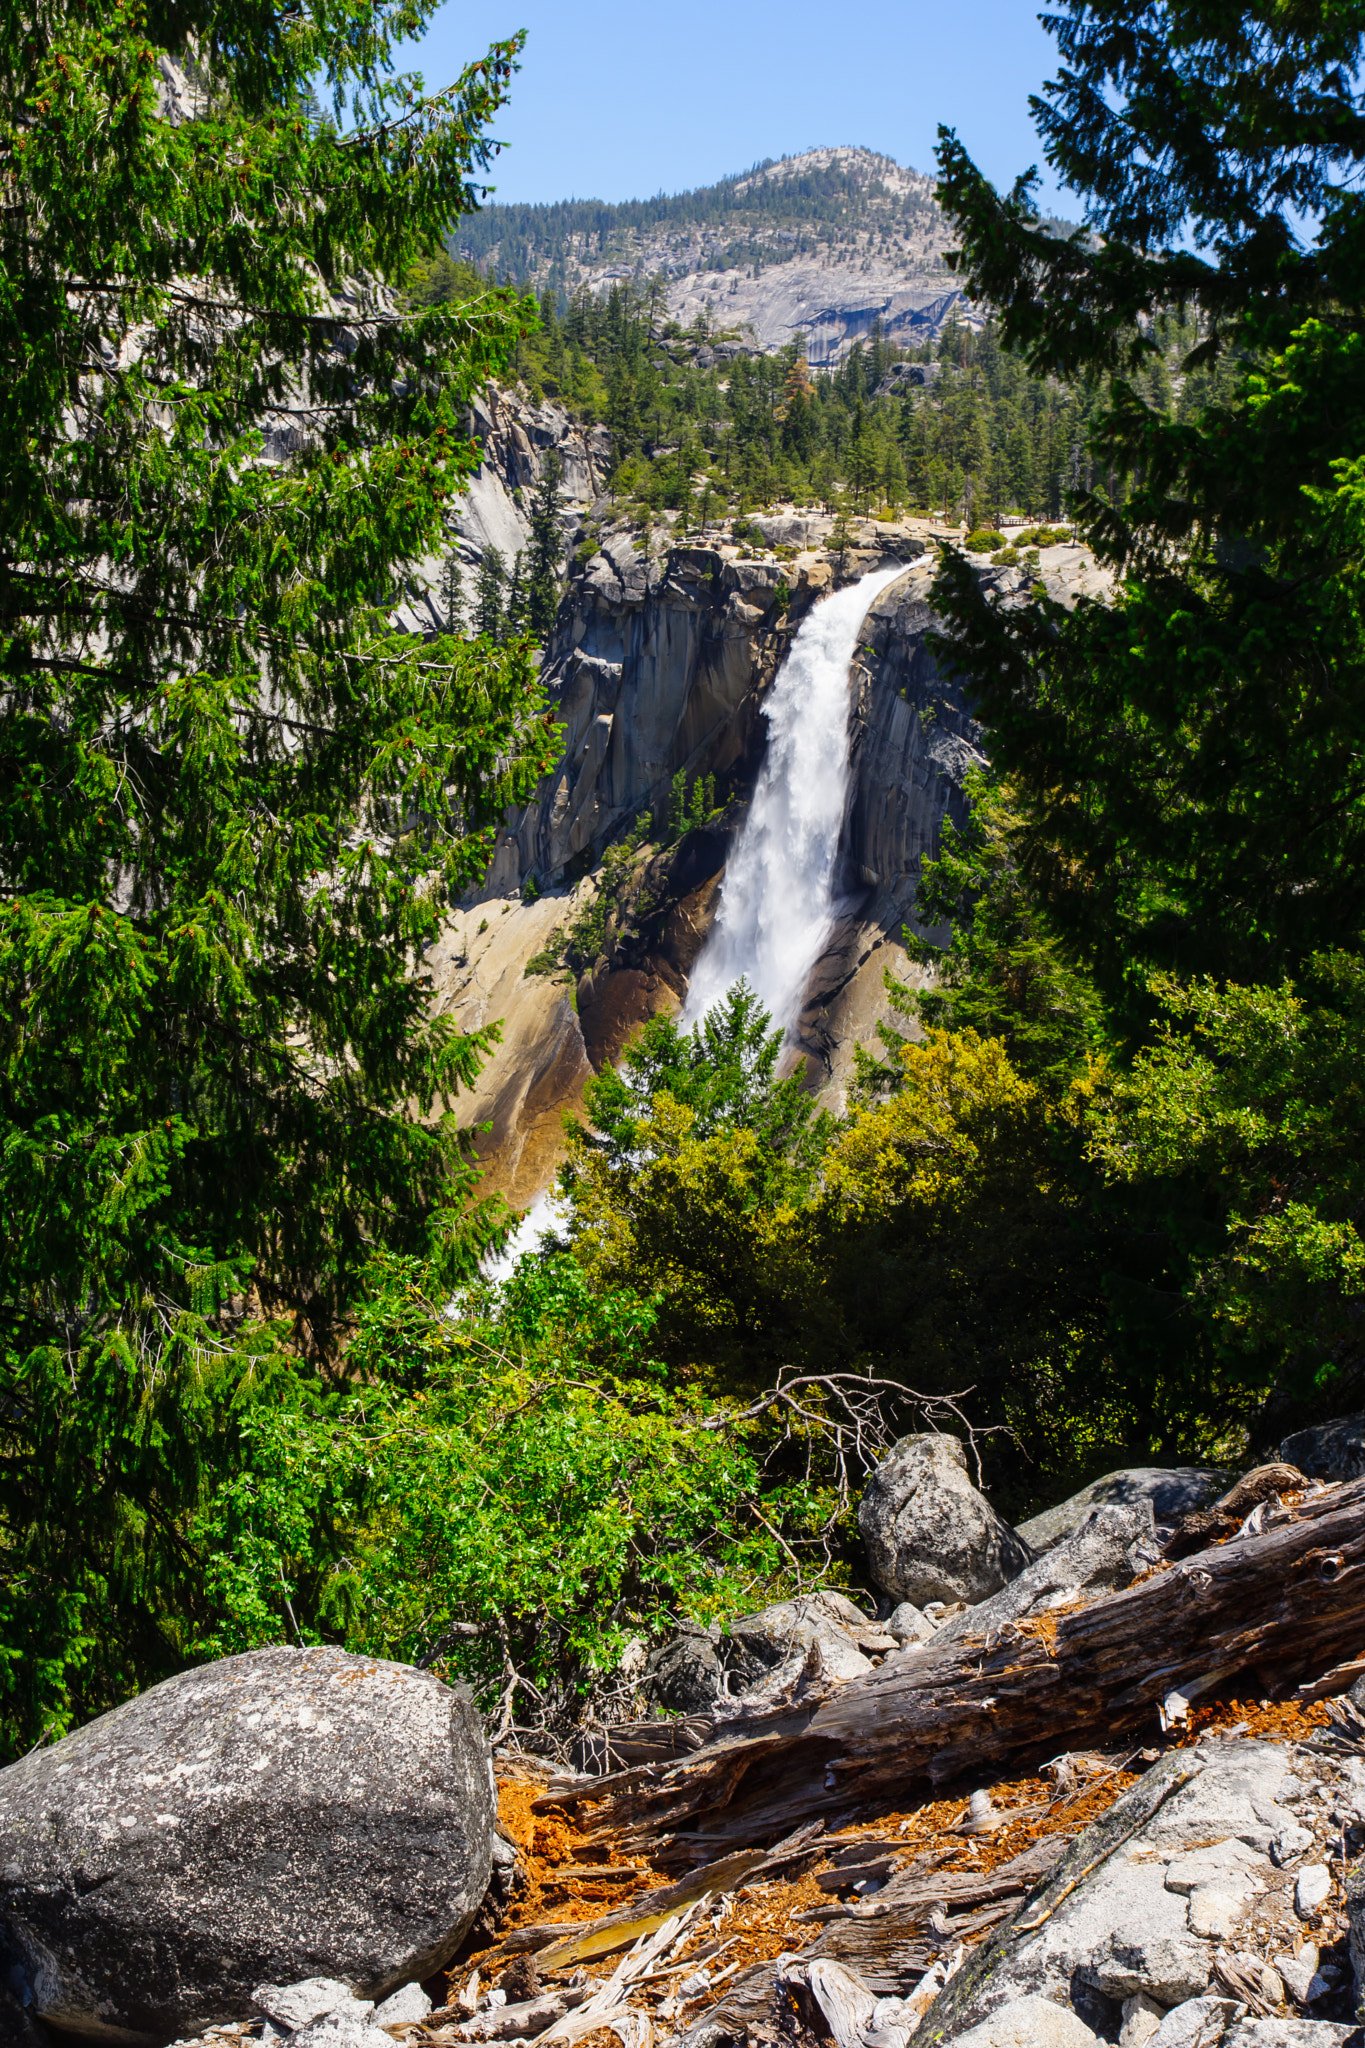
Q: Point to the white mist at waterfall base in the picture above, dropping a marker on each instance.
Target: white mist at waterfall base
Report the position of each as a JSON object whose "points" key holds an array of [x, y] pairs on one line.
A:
{"points": [[546, 1215], [776, 903]]}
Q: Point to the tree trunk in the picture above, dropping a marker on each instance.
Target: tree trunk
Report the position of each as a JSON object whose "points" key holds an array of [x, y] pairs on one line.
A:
{"points": [[1276, 1605]]}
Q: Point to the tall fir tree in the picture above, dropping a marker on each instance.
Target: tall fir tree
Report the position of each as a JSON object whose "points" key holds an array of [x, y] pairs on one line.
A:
{"points": [[490, 615], [1186, 759], [224, 1082], [547, 548]]}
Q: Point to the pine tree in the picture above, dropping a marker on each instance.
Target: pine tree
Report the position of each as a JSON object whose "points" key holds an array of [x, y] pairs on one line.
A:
{"points": [[489, 613], [547, 549], [224, 1082], [452, 594], [1187, 759], [514, 614], [677, 805]]}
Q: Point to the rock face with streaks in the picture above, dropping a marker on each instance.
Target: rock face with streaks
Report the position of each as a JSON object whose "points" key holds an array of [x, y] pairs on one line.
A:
{"points": [[282, 1815], [658, 667]]}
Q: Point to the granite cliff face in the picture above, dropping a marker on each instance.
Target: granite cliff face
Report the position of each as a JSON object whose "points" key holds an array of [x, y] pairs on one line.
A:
{"points": [[659, 664]]}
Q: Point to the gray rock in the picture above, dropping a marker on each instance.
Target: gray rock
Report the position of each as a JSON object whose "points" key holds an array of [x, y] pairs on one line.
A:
{"points": [[779, 1638], [1104, 1554], [292, 2006], [1296, 1976], [1172, 1490], [1278, 2033], [1355, 1912], [341, 2030], [273, 1817], [1029, 2023], [790, 529], [1216, 1910], [1290, 1843], [1233, 1795], [1141, 2018], [1121, 1932], [1168, 1964], [1332, 1450], [1232, 1858], [403, 2008], [758, 1655], [908, 1625], [1197, 2023], [684, 1674], [929, 1534]]}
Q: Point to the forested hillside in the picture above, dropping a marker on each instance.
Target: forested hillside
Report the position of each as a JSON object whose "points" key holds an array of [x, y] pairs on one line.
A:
{"points": [[710, 426], [1099, 1203]]}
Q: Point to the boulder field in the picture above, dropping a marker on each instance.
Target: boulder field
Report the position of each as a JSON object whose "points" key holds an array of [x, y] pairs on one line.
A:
{"points": [[288, 1847]]}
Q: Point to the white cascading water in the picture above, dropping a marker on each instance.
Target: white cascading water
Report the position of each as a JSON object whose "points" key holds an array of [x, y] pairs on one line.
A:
{"points": [[776, 905], [777, 898]]}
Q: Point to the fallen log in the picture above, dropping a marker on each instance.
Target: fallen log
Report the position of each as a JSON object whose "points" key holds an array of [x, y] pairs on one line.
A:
{"points": [[1284, 1602]]}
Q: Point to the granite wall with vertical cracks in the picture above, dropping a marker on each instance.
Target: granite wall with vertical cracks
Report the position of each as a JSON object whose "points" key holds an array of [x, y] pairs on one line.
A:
{"points": [[659, 664]]}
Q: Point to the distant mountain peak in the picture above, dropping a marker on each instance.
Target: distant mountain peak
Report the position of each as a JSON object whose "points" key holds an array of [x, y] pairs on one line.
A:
{"points": [[865, 166], [817, 246]]}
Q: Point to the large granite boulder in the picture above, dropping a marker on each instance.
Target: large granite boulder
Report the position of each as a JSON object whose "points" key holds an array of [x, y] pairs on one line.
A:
{"points": [[1174, 1491], [1332, 1450], [929, 1534], [282, 1815]]}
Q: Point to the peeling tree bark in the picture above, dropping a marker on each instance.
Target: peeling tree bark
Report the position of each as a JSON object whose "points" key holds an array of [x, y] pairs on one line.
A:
{"points": [[1281, 1604]]}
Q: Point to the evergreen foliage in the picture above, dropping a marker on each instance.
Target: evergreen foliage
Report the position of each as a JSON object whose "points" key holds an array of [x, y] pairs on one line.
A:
{"points": [[547, 549], [1185, 760], [490, 602], [979, 436], [1102, 1179], [1185, 809], [234, 798]]}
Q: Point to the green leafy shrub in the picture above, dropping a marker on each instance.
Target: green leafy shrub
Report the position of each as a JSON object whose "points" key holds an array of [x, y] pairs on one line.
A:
{"points": [[511, 1488], [983, 540]]}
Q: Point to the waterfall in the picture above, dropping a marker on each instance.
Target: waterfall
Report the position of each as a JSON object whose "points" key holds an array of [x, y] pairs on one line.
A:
{"points": [[776, 904]]}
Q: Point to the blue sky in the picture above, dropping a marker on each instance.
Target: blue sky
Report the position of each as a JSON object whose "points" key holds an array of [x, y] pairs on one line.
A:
{"points": [[618, 101]]}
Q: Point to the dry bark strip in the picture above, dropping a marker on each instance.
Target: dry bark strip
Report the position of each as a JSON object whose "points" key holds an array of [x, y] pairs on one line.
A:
{"points": [[1283, 1603], [562, 1945]]}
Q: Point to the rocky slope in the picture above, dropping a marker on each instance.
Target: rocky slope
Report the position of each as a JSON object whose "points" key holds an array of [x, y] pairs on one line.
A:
{"points": [[288, 1847], [820, 244]]}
